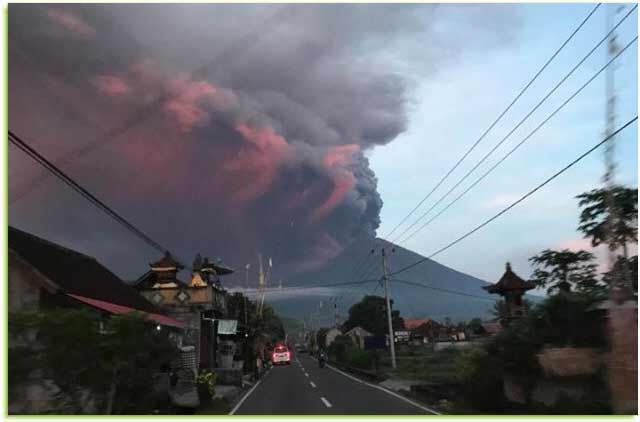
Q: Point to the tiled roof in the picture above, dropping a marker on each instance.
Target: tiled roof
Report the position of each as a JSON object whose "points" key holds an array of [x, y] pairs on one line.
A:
{"points": [[509, 281], [167, 261], [410, 324], [75, 272]]}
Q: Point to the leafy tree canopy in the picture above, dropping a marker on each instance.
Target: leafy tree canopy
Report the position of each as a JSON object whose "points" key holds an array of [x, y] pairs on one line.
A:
{"points": [[595, 216], [562, 270], [370, 314]]}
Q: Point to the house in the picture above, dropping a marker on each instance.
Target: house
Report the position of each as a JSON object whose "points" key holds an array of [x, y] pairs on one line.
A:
{"points": [[199, 303], [425, 330], [43, 274], [489, 329], [358, 334], [330, 336]]}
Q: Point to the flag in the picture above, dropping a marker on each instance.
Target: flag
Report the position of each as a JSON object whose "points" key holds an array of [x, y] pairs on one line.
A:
{"points": [[270, 262]]}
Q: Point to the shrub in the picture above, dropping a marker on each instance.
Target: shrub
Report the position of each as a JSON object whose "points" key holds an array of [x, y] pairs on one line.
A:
{"points": [[481, 377], [339, 348]]}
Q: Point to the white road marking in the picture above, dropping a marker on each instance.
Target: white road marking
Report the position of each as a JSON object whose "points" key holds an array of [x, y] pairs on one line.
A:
{"points": [[306, 375], [325, 401], [237, 406], [394, 394], [312, 384]]}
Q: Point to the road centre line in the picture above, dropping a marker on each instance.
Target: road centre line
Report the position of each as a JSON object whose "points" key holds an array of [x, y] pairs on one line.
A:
{"points": [[326, 402], [312, 384]]}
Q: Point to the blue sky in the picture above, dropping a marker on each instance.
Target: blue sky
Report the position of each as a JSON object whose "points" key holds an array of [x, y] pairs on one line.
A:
{"points": [[452, 108]]}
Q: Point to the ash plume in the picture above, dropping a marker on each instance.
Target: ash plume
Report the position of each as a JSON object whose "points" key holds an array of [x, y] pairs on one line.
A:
{"points": [[261, 151]]}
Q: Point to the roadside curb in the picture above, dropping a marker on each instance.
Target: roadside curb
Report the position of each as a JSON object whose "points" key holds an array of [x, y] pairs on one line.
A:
{"points": [[378, 387], [248, 393]]}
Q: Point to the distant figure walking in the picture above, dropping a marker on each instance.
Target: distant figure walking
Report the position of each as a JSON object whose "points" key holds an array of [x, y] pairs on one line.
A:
{"points": [[258, 368]]}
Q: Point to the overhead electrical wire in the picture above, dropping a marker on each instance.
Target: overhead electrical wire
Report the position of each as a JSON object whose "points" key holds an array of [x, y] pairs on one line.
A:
{"points": [[500, 116], [155, 105], [455, 292], [521, 142], [491, 126], [53, 169], [522, 198], [526, 117]]}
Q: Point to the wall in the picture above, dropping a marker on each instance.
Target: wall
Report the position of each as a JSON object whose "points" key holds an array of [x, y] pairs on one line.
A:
{"points": [[24, 285]]}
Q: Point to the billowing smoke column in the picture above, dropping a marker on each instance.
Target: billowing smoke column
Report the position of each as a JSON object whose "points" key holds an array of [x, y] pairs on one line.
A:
{"points": [[260, 151]]}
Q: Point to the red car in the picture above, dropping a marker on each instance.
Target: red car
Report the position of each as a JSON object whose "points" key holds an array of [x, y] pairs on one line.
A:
{"points": [[281, 355]]}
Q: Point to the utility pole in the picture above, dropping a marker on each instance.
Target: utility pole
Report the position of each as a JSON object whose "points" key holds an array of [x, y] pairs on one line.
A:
{"points": [[385, 277], [261, 284], [245, 296], [335, 311], [622, 318]]}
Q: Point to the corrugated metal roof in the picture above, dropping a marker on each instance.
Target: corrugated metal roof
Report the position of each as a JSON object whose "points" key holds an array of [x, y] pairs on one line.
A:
{"points": [[116, 309]]}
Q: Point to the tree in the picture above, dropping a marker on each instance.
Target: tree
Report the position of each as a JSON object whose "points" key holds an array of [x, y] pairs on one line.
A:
{"points": [[562, 270], [114, 363], [595, 217], [622, 266], [370, 313]]}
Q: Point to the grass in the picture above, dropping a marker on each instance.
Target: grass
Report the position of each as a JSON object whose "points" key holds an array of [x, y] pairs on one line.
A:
{"points": [[423, 364]]}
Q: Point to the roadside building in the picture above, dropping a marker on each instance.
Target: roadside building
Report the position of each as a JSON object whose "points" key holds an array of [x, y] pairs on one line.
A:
{"points": [[43, 276], [330, 336], [425, 330], [358, 336], [200, 303]]}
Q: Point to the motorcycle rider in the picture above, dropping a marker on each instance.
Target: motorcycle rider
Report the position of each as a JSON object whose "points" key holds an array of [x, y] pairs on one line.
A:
{"points": [[322, 358]]}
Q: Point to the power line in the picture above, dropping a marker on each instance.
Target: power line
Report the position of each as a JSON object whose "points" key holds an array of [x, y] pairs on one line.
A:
{"points": [[528, 194], [146, 111], [316, 286], [544, 99], [44, 162], [521, 142], [455, 292], [522, 91]]}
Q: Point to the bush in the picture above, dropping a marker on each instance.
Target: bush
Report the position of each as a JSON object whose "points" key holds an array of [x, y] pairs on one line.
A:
{"points": [[339, 348], [481, 377], [361, 359], [206, 387]]}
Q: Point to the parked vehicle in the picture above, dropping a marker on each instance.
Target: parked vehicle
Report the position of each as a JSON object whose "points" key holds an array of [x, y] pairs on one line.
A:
{"points": [[281, 355]]}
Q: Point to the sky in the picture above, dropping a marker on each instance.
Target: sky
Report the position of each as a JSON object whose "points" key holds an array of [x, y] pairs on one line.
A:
{"points": [[454, 107], [303, 128]]}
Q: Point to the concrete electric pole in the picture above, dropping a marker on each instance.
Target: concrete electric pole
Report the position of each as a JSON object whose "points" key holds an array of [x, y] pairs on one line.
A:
{"points": [[385, 277]]}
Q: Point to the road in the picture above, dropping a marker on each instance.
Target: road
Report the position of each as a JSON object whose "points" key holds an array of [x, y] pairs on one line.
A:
{"points": [[303, 388]]}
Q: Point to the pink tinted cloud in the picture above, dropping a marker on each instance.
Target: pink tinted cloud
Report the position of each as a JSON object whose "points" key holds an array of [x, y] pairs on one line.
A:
{"points": [[111, 85], [340, 155], [343, 182], [259, 160], [187, 104], [600, 252], [71, 22]]}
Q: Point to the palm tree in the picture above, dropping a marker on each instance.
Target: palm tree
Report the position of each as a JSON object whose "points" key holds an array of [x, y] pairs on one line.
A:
{"points": [[596, 220], [560, 270], [597, 223]]}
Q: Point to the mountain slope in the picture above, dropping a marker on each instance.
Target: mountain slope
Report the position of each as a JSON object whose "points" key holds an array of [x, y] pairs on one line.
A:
{"points": [[412, 301]]}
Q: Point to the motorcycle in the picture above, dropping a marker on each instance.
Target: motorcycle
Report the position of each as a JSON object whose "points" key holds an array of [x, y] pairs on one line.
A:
{"points": [[322, 360]]}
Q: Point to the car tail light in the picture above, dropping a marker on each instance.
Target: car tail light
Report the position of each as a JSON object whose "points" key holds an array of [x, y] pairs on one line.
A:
{"points": [[288, 355], [273, 356]]}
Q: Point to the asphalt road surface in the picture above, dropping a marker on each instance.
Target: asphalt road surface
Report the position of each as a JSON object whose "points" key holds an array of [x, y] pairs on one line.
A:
{"points": [[303, 388]]}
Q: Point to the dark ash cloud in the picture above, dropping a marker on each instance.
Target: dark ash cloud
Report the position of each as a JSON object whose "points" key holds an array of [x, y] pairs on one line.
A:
{"points": [[261, 151]]}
